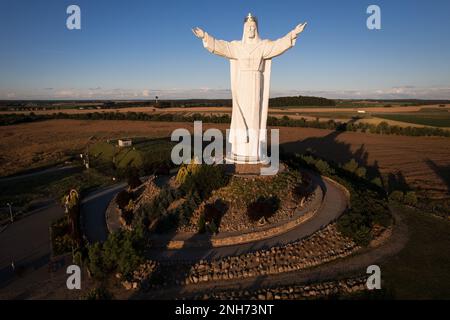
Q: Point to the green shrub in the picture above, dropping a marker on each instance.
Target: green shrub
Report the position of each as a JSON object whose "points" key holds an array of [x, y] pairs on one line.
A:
{"points": [[323, 167], [355, 225], [396, 196], [368, 204], [204, 180], [95, 261], [410, 198], [122, 252], [99, 293], [351, 166], [62, 241], [377, 181], [63, 244], [361, 172]]}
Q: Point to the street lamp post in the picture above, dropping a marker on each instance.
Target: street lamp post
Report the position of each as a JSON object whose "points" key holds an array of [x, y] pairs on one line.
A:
{"points": [[10, 211]]}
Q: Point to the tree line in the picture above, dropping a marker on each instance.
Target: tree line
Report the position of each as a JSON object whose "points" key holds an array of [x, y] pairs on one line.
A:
{"points": [[380, 128]]}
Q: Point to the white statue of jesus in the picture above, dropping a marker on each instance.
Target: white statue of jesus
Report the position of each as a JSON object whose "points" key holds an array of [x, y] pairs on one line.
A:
{"points": [[250, 64]]}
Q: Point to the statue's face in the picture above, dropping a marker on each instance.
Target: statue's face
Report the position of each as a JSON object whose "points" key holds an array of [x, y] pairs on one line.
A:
{"points": [[251, 29]]}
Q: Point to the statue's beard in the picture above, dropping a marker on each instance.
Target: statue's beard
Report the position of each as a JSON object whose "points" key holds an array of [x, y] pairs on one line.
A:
{"points": [[251, 36]]}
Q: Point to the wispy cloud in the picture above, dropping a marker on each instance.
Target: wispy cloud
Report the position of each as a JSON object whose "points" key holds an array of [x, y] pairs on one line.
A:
{"points": [[397, 92]]}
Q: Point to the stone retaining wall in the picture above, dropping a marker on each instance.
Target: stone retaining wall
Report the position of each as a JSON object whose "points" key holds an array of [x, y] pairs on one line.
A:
{"points": [[112, 216], [243, 238], [323, 246], [343, 287]]}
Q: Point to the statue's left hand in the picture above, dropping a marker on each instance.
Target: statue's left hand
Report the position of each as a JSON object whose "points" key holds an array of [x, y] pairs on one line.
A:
{"points": [[299, 29], [199, 33]]}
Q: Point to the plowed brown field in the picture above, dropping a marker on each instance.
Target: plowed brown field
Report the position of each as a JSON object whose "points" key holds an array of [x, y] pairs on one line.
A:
{"points": [[424, 162]]}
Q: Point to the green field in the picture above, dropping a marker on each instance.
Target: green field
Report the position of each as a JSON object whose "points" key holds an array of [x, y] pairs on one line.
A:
{"points": [[429, 118], [345, 115], [421, 270], [144, 152]]}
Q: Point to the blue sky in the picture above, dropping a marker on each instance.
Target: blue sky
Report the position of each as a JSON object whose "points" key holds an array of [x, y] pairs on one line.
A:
{"points": [[139, 49]]}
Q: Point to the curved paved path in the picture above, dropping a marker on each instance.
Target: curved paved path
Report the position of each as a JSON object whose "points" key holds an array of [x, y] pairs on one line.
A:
{"points": [[27, 242], [93, 209], [333, 205]]}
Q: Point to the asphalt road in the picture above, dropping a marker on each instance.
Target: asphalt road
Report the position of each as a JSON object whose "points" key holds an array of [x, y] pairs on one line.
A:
{"points": [[27, 242], [65, 169], [93, 208]]}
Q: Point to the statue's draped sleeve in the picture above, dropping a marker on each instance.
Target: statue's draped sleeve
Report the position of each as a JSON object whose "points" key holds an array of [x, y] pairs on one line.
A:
{"points": [[219, 47], [277, 47]]}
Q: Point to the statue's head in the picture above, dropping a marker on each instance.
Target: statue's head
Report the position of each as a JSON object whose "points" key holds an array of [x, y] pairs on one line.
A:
{"points": [[250, 28]]}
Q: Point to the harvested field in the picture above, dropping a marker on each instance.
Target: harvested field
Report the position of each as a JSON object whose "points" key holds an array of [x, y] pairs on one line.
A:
{"points": [[32, 145], [222, 110], [422, 161]]}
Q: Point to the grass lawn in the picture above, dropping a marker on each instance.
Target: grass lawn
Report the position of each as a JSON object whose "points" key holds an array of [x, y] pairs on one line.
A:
{"points": [[144, 150], [422, 269]]}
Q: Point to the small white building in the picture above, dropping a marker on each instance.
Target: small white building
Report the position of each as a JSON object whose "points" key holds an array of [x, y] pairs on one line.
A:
{"points": [[124, 142]]}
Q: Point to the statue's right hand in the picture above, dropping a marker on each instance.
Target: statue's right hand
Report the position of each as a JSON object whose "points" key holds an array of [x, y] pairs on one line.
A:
{"points": [[199, 33]]}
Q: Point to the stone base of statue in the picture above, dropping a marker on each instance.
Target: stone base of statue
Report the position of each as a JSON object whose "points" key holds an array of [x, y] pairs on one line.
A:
{"points": [[252, 169], [238, 159]]}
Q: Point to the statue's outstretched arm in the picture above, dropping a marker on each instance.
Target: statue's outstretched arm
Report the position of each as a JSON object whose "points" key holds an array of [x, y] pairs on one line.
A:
{"points": [[219, 47], [277, 47]]}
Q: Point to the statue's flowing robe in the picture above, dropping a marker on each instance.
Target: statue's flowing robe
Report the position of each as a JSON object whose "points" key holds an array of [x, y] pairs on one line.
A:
{"points": [[250, 65]]}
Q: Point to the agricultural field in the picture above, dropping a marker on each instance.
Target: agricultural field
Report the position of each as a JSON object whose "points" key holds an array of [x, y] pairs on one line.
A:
{"points": [[35, 145], [371, 112], [419, 162], [427, 117], [416, 162]]}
